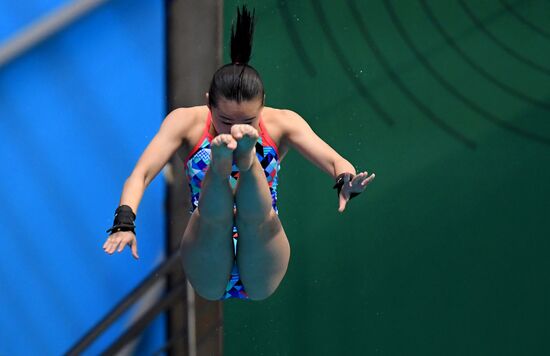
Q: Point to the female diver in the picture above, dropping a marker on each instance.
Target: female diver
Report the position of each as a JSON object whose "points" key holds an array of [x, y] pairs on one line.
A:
{"points": [[234, 147]]}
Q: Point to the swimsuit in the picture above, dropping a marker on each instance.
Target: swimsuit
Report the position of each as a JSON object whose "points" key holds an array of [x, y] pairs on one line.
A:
{"points": [[196, 166]]}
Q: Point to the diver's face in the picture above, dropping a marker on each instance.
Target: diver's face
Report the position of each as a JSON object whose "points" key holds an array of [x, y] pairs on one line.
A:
{"points": [[229, 112]]}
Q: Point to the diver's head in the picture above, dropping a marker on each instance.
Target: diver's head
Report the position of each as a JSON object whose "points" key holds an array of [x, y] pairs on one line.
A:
{"points": [[236, 93], [231, 112]]}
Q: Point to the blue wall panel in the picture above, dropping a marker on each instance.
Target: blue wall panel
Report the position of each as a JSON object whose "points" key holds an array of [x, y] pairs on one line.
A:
{"points": [[76, 112], [15, 15]]}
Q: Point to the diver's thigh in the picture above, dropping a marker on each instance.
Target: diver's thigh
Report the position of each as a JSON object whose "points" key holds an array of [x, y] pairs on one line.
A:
{"points": [[266, 228], [207, 255], [200, 228]]}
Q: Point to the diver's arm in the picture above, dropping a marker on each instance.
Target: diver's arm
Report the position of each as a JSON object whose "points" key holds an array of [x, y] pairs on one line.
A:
{"points": [[168, 139], [171, 135], [343, 166], [300, 136]]}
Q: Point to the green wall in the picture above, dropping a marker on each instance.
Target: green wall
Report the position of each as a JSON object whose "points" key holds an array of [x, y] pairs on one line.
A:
{"points": [[446, 253]]}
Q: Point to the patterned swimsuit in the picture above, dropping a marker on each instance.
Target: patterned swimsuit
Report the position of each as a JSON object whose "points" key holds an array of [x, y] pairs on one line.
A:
{"points": [[196, 166]]}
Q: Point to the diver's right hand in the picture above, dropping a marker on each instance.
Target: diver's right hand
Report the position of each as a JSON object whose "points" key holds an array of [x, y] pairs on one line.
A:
{"points": [[120, 240]]}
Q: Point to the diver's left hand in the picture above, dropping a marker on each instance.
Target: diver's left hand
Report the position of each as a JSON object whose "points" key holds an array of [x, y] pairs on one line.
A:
{"points": [[357, 185]]}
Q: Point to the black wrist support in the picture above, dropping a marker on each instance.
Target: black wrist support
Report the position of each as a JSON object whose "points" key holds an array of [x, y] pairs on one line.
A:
{"points": [[124, 220], [340, 183]]}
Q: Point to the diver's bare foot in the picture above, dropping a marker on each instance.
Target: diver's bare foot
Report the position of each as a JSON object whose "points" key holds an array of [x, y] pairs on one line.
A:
{"points": [[245, 153], [222, 147]]}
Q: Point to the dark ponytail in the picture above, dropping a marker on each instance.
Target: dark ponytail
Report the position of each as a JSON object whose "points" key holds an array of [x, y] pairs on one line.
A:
{"points": [[242, 36], [238, 81]]}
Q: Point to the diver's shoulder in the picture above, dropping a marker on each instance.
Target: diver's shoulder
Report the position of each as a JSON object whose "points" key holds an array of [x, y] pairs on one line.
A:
{"points": [[280, 117], [187, 121], [278, 114], [187, 117], [188, 114]]}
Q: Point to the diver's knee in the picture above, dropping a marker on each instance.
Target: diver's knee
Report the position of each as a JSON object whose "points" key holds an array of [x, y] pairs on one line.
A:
{"points": [[257, 295], [212, 295], [212, 298]]}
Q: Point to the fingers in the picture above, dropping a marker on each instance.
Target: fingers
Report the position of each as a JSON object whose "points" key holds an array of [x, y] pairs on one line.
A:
{"points": [[134, 250], [342, 206], [122, 244], [342, 201], [119, 240], [112, 243], [367, 179], [356, 185], [344, 196], [362, 179]]}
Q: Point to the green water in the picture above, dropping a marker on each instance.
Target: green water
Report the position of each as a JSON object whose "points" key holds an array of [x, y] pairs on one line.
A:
{"points": [[447, 252]]}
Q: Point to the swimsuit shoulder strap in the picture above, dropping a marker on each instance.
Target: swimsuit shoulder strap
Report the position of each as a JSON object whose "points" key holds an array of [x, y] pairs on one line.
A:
{"points": [[205, 134], [265, 136], [207, 126]]}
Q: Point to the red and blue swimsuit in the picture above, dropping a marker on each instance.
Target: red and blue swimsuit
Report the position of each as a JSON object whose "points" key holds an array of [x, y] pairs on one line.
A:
{"points": [[196, 166]]}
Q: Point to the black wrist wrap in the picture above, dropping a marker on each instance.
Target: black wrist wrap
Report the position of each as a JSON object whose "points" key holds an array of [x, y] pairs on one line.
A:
{"points": [[340, 183], [124, 220]]}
